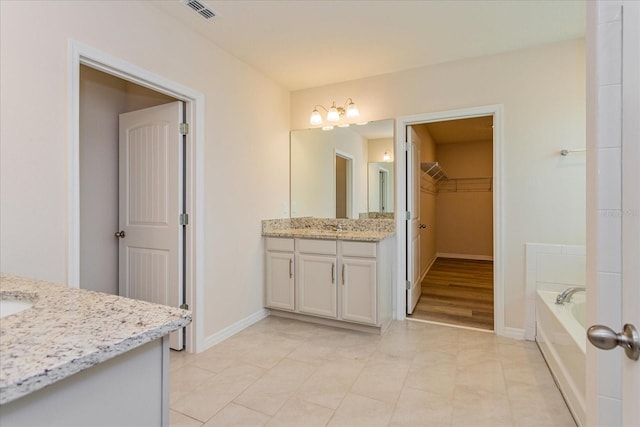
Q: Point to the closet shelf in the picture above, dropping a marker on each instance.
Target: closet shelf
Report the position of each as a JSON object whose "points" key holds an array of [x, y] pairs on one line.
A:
{"points": [[434, 170], [483, 184]]}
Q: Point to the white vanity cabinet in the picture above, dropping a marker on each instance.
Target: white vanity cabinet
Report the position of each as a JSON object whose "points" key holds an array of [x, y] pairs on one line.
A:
{"points": [[358, 278], [317, 277], [280, 280], [337, 282]]}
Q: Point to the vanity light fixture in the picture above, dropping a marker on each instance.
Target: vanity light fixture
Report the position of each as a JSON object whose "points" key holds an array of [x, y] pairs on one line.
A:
{"points": [[386, 157], [334, 112]]}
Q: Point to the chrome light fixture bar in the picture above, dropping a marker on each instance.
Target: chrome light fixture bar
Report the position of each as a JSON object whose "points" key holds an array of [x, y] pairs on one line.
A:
{"points": [[334, 113]]}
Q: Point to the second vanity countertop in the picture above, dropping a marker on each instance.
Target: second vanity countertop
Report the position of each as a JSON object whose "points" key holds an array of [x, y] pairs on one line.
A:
{"points": [[68, 330], [365, 236], [366, 230]]}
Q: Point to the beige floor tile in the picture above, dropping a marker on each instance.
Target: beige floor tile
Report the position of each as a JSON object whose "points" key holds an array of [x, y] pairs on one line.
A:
{"points": [[312, 353], [270, 392], [179, 359], [215, 393], [475, 407], [536, 374], [234, 415], [433, 372], [185, 379], [330, 383], [176, 419], [486, 376], [283, 372], [420, 408], [297, 413], [527, 353], [360, 411], [381, 380]]}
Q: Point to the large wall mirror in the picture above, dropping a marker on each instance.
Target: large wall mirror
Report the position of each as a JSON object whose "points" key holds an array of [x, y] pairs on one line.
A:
{"points": [[346, 172]]}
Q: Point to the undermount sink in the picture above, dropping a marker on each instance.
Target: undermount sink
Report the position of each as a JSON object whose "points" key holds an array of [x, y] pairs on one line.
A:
{"points": [[9, 307]]}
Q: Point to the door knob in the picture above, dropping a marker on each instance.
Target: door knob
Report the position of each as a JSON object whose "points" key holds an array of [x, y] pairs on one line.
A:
{"points": [[423, 225], [606, 339], [120, 234]]}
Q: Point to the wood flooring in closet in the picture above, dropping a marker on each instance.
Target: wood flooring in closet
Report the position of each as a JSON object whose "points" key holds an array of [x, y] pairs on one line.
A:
{"points": [[459, 292]]}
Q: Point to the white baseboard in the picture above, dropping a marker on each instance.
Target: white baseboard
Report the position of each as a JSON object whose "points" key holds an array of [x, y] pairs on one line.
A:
{"points": [[513, 333], [231, 330], [426, 271], [465, 256]]}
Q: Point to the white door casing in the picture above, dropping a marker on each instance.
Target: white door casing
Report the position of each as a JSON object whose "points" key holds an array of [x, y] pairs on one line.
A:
{"points": [[630, 203], [413, 232], [150, 192], [401, 195]]}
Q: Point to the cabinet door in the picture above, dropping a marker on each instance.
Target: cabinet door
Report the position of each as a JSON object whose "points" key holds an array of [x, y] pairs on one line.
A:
{"points": [[317, 278], [280, 281], [358, 287]]}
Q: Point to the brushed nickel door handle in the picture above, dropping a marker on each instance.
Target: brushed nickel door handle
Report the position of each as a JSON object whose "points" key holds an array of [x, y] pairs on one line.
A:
{"points": [[606, 338], [120, 234]]}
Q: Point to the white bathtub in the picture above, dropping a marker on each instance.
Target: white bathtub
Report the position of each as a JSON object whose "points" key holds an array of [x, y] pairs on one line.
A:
{"points": [[561, 336]]}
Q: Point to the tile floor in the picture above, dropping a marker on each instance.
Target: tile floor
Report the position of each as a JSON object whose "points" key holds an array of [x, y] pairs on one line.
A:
{"points": [[282, 372]]}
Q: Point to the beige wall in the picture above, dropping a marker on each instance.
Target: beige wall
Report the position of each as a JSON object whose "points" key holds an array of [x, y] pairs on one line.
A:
{"points": [[246, 151], [102, 98], [377, 148], [465, 219], [542, 90]]}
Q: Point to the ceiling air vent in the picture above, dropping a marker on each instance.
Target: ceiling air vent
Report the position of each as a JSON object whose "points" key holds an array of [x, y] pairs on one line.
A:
{"points": [[202, 9]]}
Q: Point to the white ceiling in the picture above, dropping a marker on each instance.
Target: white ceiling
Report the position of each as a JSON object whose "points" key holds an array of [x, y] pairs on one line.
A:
{"points": [[303, 44]]}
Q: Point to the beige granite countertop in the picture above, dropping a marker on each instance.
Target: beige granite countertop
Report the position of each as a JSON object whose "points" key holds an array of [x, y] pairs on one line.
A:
{"points": [[68, 330], [311, 233], [368, 230]]}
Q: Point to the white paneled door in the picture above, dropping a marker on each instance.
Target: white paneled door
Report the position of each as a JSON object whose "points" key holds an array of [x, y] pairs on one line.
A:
{"points": [[150, 250], [413, 233]]}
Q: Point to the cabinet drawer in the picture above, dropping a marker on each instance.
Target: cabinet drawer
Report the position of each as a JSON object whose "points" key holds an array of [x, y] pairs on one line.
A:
{"points": [[360, 249], [279, 244], [310, 246]]}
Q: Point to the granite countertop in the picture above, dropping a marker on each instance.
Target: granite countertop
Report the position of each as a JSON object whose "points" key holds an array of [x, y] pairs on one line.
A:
{"points": [[68, 330], [367, 230], [315, 233]]}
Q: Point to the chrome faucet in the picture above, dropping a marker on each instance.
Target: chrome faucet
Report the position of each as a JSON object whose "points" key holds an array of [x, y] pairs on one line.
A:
{"points": [[566, 295]]}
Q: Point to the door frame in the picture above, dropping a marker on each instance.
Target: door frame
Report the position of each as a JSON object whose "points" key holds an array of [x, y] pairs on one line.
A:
{"points": [[350, 182], [497, 111], [81, 54]]}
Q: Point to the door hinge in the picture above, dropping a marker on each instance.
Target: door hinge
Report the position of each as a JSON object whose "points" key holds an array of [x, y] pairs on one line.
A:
{"points": [[184, 219], [408, 284], [407, 215], [184, 306], [407, 146], [184, 128]]}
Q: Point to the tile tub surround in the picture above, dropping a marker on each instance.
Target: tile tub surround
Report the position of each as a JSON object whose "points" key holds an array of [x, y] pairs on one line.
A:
{"points": [[368, 230], [69, 330]]}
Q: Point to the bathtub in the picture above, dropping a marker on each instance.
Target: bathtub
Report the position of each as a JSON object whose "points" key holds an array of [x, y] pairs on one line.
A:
{"points": [[561, 336]]}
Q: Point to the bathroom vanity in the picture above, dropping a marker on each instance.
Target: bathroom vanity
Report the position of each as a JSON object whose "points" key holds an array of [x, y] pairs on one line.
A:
{"points": [[75, 357], [335, 272]]}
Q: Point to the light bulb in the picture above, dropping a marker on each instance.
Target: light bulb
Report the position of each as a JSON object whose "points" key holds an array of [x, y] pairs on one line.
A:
{"points": [[316, 118], [333, 115], [352, 110], [386, 157]]}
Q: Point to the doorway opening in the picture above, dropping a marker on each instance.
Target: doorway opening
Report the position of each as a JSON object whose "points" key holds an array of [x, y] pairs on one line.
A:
{"points": [[455, 206], [449, 242], [81, 55], [344, 183]]}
